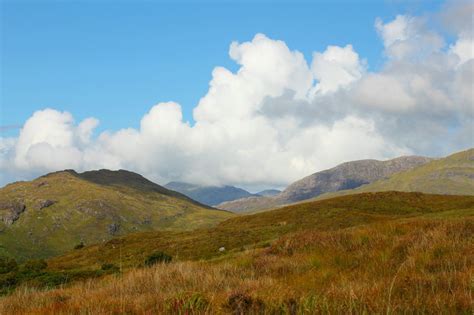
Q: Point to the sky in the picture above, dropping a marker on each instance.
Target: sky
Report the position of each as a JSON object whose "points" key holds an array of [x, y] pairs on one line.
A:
{"points": [[255, 94]]}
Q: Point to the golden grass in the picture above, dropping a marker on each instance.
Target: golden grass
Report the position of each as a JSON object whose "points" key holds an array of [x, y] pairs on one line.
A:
{"points": [[416, 265]]}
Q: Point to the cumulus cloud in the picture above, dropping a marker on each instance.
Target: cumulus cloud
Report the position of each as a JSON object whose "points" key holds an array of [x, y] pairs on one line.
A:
{"points": [[280, 117], [335, 68]]}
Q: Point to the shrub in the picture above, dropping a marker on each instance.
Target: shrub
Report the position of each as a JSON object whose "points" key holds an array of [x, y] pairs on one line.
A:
{"points": [[239, 303], [79, 246], [8, 280], [110, 268], [157, 257], [51, 279], [36, 265], [7, 265]]}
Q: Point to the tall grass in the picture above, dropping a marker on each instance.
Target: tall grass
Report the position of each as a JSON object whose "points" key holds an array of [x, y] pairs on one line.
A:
{"points": [[409, 266]]}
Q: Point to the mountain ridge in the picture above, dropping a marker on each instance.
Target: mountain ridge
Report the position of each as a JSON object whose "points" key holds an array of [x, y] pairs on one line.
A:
{"points": [[343, 176], [208, 195], [453, 174]]}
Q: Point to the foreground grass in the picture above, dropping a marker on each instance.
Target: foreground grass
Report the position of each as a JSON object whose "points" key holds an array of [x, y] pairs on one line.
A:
{"points": [[414, 265]]}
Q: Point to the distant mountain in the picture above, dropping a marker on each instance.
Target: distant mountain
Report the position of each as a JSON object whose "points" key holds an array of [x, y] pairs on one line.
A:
{"points": [[268, 192], [209, 195], [453, 175], [55, 212], [344, 176]]}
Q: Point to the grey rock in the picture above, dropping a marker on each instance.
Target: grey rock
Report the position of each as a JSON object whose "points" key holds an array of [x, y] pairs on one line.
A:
{"points": [[12, 211], [45, 203], [113, 228]]}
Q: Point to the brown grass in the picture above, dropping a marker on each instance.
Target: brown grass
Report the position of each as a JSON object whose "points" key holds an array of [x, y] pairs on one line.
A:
{"points": [[416, 265]]}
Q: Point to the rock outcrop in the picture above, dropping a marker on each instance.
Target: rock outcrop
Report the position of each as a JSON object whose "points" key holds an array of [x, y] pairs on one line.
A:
{"points": [[11, 211]]}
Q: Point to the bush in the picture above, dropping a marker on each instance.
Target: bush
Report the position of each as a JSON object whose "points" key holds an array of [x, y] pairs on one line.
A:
{"points": [[51, 279], [33, 267], [157, 257], [8, 280], [7, 265], [79, 246], [36, 265], [110, 268]]}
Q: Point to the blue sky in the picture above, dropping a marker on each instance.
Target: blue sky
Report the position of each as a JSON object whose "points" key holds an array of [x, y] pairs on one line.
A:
{"points": [[115, 60], [250, 93]]}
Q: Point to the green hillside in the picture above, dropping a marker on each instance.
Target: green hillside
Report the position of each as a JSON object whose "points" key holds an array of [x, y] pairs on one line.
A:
{"points": [[258, 230], [372, 253], [453, 175], [52, 214]]}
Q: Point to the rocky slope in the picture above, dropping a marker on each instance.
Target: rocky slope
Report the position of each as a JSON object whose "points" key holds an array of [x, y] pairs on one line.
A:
{"points": [[55, 212], [347, 175], [453, 175], [268, 192]]}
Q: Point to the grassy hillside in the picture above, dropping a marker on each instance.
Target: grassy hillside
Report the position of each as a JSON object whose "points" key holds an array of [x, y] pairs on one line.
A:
{"points": [[362, 254], [256, 230], [52, 214], [453, 175]]}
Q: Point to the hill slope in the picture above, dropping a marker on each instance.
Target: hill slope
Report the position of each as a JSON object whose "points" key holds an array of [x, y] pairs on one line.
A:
{"points": [[344, 176], [209, 195], [406, 266], [268, 192], [241, 232], [388, 252], [53, 213], [453, 175]]}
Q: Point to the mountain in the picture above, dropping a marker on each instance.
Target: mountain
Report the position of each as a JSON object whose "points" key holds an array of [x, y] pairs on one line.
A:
{"points": [[268, 192], [344, 176], [209, 195], [452, 175], [53, 213]]}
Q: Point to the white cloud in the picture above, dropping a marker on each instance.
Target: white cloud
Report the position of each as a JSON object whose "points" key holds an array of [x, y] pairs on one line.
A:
{"points": [[278, 117], [336, 67], [268, 68], [408, 37]]}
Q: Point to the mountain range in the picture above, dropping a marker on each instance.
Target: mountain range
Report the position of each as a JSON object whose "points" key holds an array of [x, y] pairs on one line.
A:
{"points": [[345, 176], [214, 195], [56, 212]]}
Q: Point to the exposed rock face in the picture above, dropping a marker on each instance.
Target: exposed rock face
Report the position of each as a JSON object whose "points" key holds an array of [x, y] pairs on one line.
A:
{"points": [[11, 211], [347, 175], [113, 228], [45, 203]]}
